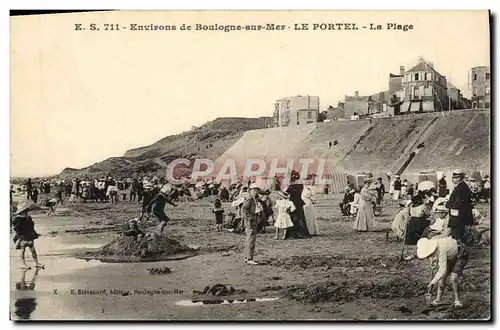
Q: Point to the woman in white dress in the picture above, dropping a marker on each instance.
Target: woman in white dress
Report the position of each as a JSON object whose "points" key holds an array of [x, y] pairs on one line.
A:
{"points": [[283, 209], [365, 219], [309, 211]]}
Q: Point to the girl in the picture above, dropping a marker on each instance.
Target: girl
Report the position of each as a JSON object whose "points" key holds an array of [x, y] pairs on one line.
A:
{"points": [[283, 209], [24, 228], [219, 214]]}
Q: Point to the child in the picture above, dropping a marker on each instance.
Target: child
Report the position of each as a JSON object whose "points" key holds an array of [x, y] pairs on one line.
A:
{"points": [[283, 208], [24, 227], [133, 229], [219, 214]]}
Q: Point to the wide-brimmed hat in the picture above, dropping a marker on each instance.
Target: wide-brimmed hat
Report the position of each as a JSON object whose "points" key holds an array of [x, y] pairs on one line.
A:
{"points": [[238, 202], [166, 189], [283, 194], [397, 176], [441, 209], [457, 173], [426, 247], [134, 220], [23, 206], [253, 186]]}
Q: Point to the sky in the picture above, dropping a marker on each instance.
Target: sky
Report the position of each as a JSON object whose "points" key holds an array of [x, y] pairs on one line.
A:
{"points": [[79, 97]]}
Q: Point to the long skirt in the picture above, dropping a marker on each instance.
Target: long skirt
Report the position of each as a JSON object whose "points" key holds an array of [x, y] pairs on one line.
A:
{"points": [[299, 224], [310, 215], [365, 219]]}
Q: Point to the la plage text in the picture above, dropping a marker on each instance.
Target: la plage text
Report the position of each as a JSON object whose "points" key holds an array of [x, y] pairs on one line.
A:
{"points": [[320, 26]]}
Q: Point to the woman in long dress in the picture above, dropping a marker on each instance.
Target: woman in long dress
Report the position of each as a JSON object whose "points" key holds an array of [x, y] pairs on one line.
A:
{"points": [[309, 211], [365, 218]]}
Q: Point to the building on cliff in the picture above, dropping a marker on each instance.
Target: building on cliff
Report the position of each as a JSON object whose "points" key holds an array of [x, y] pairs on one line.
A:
{"points": [[425, 89], [296, 110], [480, 83]]}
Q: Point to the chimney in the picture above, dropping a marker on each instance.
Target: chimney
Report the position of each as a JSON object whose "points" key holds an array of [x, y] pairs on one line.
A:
{"points": [[401, 70], [356, 94]]}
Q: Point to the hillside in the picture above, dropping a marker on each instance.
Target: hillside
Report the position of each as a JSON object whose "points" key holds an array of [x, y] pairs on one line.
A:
{"points": [[207, 141]]}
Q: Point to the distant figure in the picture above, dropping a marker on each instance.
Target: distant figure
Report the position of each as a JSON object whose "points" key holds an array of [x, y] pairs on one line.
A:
{"points": [[442, 186], [335, 142], [330, 145], [370, 120], [34, 195]]}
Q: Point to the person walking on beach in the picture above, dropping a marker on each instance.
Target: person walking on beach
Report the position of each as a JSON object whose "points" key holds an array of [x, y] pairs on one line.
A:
{"points": [[250, 213], [24, 227]]}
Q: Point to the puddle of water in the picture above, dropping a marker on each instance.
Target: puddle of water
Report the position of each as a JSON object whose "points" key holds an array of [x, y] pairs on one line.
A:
{"points": [[222, 302]]}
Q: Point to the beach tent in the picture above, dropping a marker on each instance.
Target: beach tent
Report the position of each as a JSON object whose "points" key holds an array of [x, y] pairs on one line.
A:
{"points": [[337, 178]]}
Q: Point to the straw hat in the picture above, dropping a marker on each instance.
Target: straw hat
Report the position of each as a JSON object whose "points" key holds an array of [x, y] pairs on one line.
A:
{"points": [[441, 209], [238, 202], [283, 194], [134, 220], [166, 189], [23, 206], [254, 186], [426, 247], [457, 173]]}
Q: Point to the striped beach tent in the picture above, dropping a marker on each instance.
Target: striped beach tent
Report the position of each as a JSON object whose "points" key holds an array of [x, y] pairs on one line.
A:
{"points": [[337, 177]]}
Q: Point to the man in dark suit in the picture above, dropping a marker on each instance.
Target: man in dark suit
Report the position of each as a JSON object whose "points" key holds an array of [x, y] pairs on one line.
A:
{"points": [[250, 215], [460, 206]]}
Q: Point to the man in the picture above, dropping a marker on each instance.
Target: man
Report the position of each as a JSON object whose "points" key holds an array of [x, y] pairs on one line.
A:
{"points": [[451, 259], [250, 214], [133, 190], [397, 188], [29, 188], [379, 186], [34, 195], [442, 186], [460, 206]]}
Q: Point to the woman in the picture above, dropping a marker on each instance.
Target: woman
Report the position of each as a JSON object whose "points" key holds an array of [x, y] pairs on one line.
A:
{"points": [[309, 211], [420, 211], [299, 222], [365, 218], [24, 227]]}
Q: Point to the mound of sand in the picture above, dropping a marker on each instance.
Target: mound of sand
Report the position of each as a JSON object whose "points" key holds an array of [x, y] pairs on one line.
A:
{"points": [[150, 248]]}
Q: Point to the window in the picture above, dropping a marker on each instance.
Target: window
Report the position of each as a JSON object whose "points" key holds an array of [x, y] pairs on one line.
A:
{"points": [[309, 115], [487, 89], [428, 76], [474, 91], [416, 76], [487, 75], [416, 91], [475, 76], [486, 104]]}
